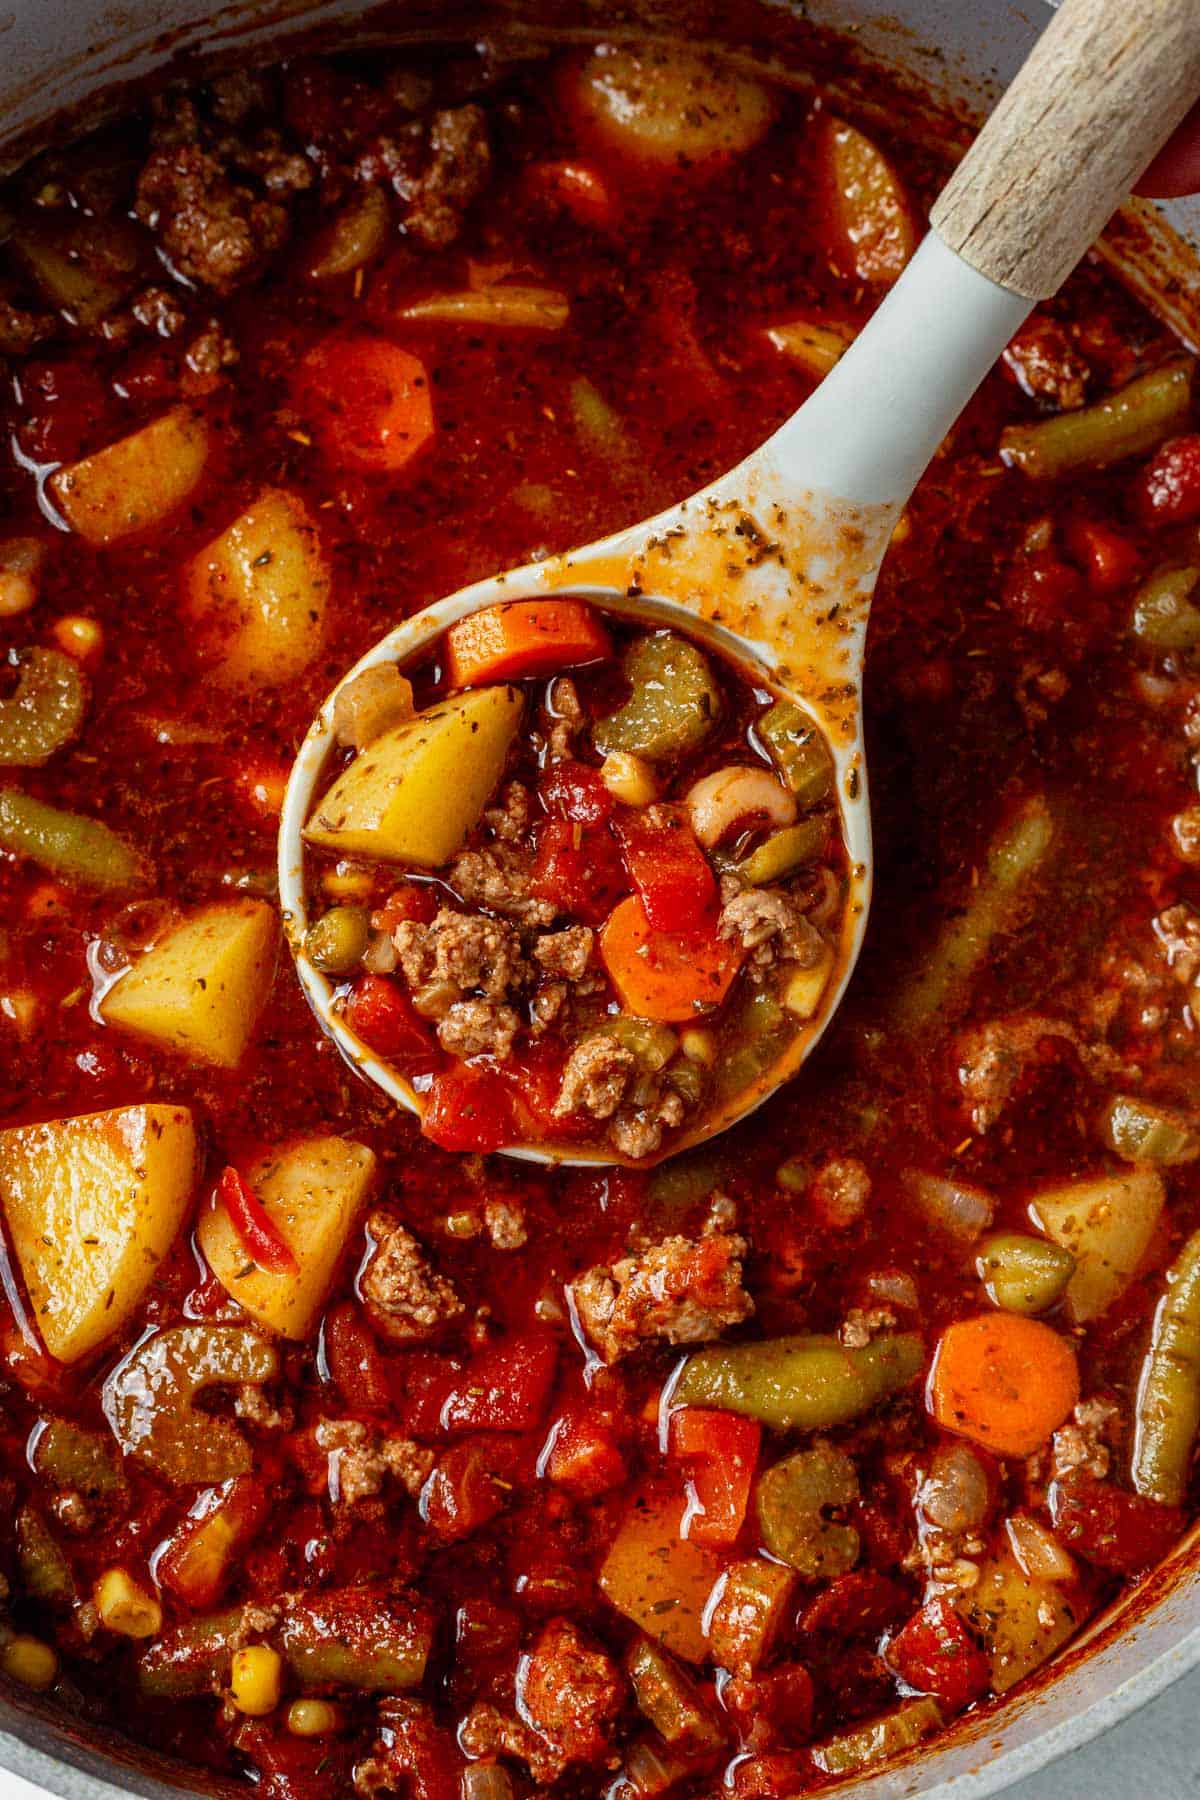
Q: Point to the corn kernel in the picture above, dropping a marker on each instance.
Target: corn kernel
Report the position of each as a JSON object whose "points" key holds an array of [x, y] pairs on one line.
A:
{"points": [[629, 779], [263, 789], [312, 1718], [803, 990], [21, 562], [29, 1661], [125, 1606], [903, 529], [256, 1680], [698, 1045], [80, 637], [346, 881]]}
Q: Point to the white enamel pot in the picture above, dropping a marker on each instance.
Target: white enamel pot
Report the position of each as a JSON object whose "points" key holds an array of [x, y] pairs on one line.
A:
{"points": [[57, 54]]}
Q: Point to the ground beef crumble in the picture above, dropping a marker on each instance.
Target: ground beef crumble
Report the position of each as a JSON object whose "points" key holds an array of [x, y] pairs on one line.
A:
{"points": [[681, 1291], [406, 1297], [767, 923], [360, 1459]]}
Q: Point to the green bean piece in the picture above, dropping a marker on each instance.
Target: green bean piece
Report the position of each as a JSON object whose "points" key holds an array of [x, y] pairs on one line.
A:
{"points": [[798, 750], [670, 1699], [148, 1400], [192, 1658], [68, 844], [1014, 856], [45, 1571], [674, 704], [760, 1031], [1165, 615], [45, 711], [1127, 423], [1143, 1132], [1023, 1274], [338, 940], [793, 1498], [800, 1383], [879, 1738], [785, 851], [750, 1612], [357, 1638], [652, 1043], [1167, 1413], [85, 1461]]}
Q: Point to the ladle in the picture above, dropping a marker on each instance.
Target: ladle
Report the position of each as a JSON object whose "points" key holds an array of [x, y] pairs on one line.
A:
{"points": [[776, 562]]}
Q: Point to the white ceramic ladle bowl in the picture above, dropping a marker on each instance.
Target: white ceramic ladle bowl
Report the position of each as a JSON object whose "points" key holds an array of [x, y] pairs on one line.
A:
{"points": [[777, 561]]}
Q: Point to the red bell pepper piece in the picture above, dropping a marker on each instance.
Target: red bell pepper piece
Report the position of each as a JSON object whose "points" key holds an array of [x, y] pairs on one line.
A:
{"points": [[721, 1451], [668, 868], [356, 1367], [468, 1109], [380, 1014], [570, 790], [1108, 559], [580, 868], [467, 1489], [257, 1231], [936, 1654], [505, 1388], [583, 1455], [1167, 491], [1112, 1529]]}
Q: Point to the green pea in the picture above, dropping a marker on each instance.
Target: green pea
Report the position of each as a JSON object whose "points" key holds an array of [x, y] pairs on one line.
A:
{"points": [[338, 940]]}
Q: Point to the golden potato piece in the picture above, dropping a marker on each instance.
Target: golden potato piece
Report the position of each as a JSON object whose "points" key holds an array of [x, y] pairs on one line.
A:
{"points": [[1106, 1224], [136, 482], [200, 989], [870, 227], [312, 1193], [414, 794], [92, 1206], [263, 586], [661, 103], [1020, 1622]]}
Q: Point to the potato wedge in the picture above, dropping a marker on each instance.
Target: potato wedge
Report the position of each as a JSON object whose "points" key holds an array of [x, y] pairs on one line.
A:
{"points": [[92, 1205], [664, 105], [263, 589], [1107, 1225], [870, 225], [659, 1580], [136, 482], [312, 1194], [1019, 1621], [201, 988], [414, 794]]}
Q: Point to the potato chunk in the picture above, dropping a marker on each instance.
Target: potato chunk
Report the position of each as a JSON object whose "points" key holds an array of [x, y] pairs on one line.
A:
{"points": [[312, 1193], [263, 588], [666, 105], [1020, 1622], [201, 988], [92, 1206], [870, 226], [1107, 1225], [414, 794], [136, 482]]}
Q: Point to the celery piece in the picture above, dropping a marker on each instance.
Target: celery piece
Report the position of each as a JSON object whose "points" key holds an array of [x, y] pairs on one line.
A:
{"points": [[1165, 615], [45, 710], [674, 704], [1143, 1132], [792, 1497], [879, 1738]]}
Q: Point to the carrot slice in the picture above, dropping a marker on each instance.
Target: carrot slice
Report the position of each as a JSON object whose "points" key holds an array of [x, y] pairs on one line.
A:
{"points": [[523, 637], [665, 975], [869, 219], [367, 400], [1004, 1380]]}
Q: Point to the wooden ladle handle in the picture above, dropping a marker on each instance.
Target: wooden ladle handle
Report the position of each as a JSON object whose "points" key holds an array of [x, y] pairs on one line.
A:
{"points": [[1105, 85]]}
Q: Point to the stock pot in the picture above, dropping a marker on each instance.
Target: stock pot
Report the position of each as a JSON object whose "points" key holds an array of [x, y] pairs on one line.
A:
{"points": [[65, 57]]}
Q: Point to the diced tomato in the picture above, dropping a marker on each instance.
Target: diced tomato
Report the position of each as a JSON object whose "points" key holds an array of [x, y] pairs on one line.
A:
{"points": [[1167, 491], [409, 901], [584, 1455], [669, 869], [771, 1708], [1126, 1533], [1108, 558], [367, 399], [579, 868], [570, 790], [466, 1490], [380, 1014], [721, 1450], [1046, 596], [468, 1109], [254, 1226], [32, 1368], [534, 1084], [773, 1777], [201, 1558], [506, 1387], [422, 1758], [67, 408], [420, 1381], [356, 1366], [574, 187], [294, 1768], [936, 1654], [861, 1603]]}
